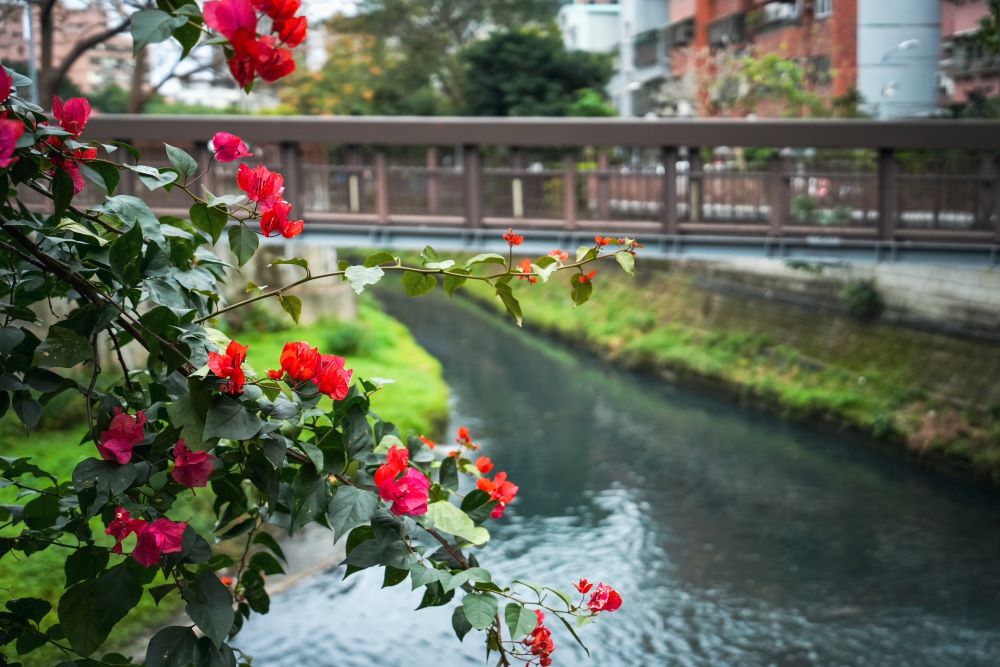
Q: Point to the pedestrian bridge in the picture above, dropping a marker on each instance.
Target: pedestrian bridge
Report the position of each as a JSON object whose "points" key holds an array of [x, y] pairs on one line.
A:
{"points": [[824, 190]]}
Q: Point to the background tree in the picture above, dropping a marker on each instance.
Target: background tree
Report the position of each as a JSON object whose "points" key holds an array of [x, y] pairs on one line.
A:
{"points": [[432, 33], [529, 73]]}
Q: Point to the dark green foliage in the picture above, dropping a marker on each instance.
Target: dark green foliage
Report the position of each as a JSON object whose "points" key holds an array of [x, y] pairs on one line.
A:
{"points": [[863, 301]]}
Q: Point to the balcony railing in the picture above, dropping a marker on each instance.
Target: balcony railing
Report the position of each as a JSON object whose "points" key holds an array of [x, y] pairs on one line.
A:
{"points": [[931, 181]]}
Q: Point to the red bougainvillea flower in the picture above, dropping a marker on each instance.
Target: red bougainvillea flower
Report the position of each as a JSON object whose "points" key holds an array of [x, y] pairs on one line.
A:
{"points": [[484, 464], [513, 239], [396, 461], [604, 240], [275, 374], [229, 366], [455, 454], [332, 378], [122, 526], [275, 219], [500, 490], [406, 488], [604, 598], [278, 9], [162, 536], [229, 17], [191, 469], [67, 161], [10, 132], [299, 361], [539, 642], [6, 85], [587, 277], [123, 433], [427, 441], [560, 255], [273, 61], [243, 62], [462, 436], [261, 184], [292, 32], [583, 586], [229, 147], [73, 115], [525, 267], [226, 581]]}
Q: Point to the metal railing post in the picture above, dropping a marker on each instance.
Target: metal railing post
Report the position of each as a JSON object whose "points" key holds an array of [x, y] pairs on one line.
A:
{"points": [[126, 183], [517, 182], [996, 199], [354, 180], [569, 190], [603, 184], [888, 194], [472, 173], [668, 190], [695, 167], [779, 192], [291, 169], [381, 186], [203, 156], [432, 180]]}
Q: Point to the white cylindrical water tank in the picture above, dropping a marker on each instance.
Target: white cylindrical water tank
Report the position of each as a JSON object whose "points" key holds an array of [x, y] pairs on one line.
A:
{"points": [[899, 50]]}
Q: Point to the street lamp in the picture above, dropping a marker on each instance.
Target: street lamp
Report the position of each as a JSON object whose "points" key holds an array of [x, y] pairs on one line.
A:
{"points": [[892, 87]]}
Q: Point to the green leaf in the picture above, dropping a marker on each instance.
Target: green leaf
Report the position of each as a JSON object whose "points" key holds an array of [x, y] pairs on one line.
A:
{"points": [[585, 252], [125, 255], [41, 512], [350, 508], [185, 165], [431, 260], [377, 258], [209, 219], [62, 191], [172, 646], [293, 261], [394, 576], [626, 260], [416, 284], [85, 563], [448, 473], [452, 282], [184, 416], [520, 620], [32, 608], [573, 632], [357, 433], [267, 540], [291, 305], [135, 211], [63, 348], [90, 609], [459, 623], [228, 418], [266, 563], [510, 302], [360, 277], [151, 177], [27, 409], [486, 258], [107, 173], [480, 609], [474, 575], [243, 242], [152, 26], [210, 606], [545, 272], [207, 655], [580, 291], [449, 519]]}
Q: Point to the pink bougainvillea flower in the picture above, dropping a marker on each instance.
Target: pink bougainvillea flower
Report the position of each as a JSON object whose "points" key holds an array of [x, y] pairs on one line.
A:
{"points": [[408, 494], [332, 378], [500, 490], [278, 9], [243, 63], [123, 433], [397, 459], [275, 219], [73, 115], [273, 61], [191, 469], [604, 598], [229, 147], [484, 464], [513, 239], [261, 184], [122, 526], [299, 360], [583, 586], [229, 366], [162, 536], [227, 17], [10, 132], [291, 31], [6, 85]]}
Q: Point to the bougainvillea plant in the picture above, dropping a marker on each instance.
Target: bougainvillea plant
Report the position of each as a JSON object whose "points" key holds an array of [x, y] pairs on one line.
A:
{"points": [[271, 451]]}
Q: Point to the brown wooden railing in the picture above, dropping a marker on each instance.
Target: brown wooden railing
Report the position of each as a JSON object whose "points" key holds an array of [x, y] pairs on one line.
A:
{"points": [[931, 181]]}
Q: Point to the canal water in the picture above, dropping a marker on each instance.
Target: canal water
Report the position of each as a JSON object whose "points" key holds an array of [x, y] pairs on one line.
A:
{"points": [[735, 538]]}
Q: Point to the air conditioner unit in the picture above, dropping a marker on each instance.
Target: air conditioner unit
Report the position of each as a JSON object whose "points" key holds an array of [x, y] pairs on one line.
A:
{"points": [[775, 12]]}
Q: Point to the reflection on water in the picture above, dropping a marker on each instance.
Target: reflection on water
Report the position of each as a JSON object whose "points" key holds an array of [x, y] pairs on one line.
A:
{"points": [[734, 538]]}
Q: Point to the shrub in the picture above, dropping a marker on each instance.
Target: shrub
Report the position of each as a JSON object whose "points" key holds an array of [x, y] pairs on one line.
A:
{"points": [[863, 301]]}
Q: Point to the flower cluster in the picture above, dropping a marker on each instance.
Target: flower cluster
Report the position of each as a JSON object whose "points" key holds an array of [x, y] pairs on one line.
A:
{"points": [[405, 487], [539, 642], [559, 255], [500, 490], [72, 117], [253, 54], [153, 539], [604, 598], [525, 268], [513, 239], [228, 147], [229, 366], [301, 363], [266, 187], [10, 130], [191, 469], [122, 435]]}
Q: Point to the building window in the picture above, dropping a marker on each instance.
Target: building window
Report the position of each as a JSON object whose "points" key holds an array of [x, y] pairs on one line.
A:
{"points": [[824, 8]]}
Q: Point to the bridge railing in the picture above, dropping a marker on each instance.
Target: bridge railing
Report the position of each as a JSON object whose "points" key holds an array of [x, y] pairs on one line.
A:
{"points": [[935, 181]]}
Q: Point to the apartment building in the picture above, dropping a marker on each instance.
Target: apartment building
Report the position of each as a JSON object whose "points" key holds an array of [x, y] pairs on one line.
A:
{"points": [[966, 68]]}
